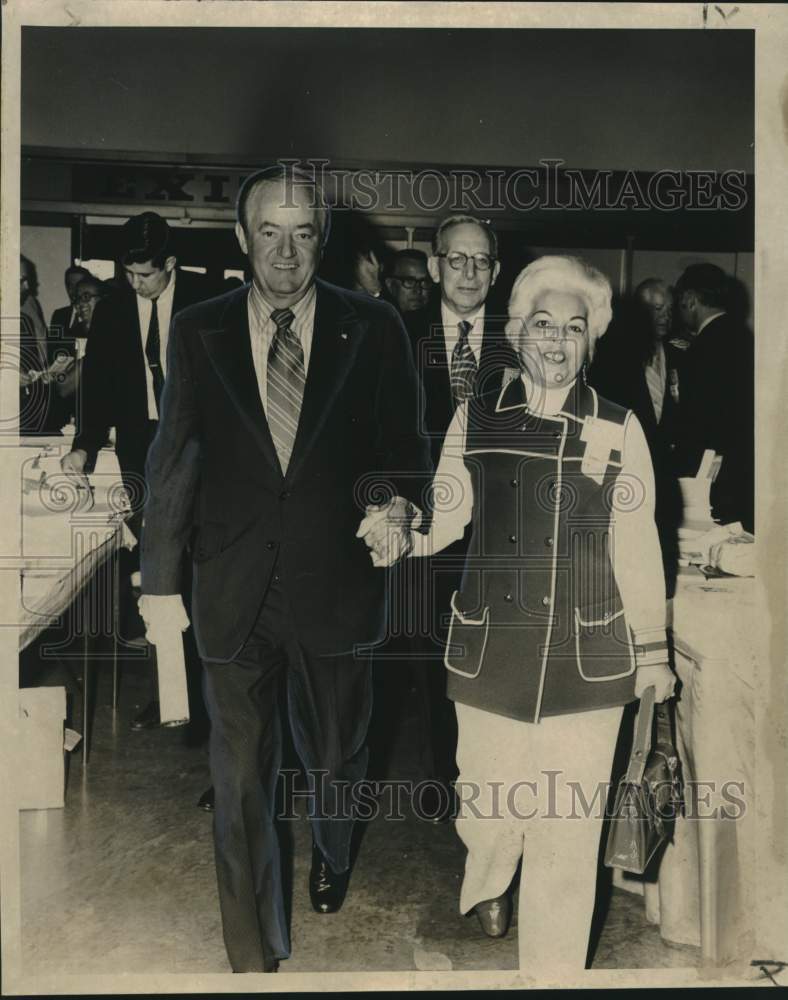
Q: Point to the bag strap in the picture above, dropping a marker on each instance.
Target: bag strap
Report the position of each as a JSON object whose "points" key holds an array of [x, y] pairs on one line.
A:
{"points": [[642, 742], [664, 732]]}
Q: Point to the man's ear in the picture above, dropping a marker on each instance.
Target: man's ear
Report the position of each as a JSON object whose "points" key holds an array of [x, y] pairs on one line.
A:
{"points": [[240, 235], [496, 272], [170, 264], [433, 266], [389, 283]]}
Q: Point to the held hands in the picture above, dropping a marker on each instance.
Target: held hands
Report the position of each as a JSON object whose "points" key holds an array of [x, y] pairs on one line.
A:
{"points": [[162, 616], [658, 675], [387, 531]]}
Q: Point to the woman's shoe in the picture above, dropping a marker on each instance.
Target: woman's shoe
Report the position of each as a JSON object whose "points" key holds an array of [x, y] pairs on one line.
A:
{"points": [[494, 915]]}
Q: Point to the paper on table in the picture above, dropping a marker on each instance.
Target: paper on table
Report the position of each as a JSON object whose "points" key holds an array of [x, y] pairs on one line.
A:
{"points": [[171, 669]]}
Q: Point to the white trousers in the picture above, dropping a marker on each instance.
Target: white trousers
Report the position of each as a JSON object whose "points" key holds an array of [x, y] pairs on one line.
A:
{"points": [[536, 793]]}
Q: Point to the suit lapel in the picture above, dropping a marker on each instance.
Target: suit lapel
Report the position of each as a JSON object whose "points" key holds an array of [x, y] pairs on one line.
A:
{"points": [[336, 337], [435, 374], [230, 352]]}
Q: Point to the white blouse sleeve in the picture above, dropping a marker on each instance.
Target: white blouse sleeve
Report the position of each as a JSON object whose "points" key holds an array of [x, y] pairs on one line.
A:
{"points": [[452, 490], [637, 557]]}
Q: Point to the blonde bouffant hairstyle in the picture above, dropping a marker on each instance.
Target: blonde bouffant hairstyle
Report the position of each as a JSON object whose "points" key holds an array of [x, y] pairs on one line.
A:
{"points": [[560, 274]]}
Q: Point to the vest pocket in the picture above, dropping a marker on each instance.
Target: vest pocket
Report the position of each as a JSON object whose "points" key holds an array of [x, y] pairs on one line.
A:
{"points": [[466, 644], [603, 649]]}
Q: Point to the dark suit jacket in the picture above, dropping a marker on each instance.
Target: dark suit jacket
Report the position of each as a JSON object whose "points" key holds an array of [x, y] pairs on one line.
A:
{"points": [[62, 333], [113, 377], [213, 452], [717, 411], [428, 342]]}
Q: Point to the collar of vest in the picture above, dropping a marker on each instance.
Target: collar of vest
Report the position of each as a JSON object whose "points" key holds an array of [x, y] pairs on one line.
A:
{"points": [[581, 400]]}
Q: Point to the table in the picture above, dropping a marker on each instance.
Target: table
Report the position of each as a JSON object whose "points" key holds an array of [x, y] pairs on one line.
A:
{"points": [[704, 891], [69, 553]]}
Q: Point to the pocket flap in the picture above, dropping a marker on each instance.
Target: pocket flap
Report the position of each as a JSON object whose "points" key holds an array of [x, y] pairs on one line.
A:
{"points": [[593, 615]]}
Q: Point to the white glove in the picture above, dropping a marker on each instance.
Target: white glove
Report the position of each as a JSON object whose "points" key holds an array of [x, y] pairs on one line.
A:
{"points": [[163, 615], [660, 677]]}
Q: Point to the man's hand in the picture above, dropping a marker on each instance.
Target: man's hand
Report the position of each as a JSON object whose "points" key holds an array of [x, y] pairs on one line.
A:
{"points": [[73, 464], [387, 531], [162, 615], [660, 677]]}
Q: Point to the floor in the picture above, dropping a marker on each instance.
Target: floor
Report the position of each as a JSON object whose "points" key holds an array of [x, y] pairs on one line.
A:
{"points": [[122, 878]]}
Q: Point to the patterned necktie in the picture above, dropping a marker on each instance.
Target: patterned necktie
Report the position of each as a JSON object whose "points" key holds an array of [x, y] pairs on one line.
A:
{"points": [[286, 378], [463, 365], [655, 380], [153, 353]]}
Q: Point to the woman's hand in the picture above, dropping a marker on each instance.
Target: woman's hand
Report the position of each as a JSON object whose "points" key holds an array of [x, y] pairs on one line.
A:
{"points": [[660, 677]]}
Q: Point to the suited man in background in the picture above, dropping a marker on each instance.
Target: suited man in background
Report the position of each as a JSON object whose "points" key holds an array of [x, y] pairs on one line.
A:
{"points": [[125, 367], [407, 280], [636, 366], [458, 349], [65, 322], [717, 408], [287, 402]]}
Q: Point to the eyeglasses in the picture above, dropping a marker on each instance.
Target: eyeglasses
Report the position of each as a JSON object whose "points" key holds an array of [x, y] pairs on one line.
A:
{"points": [[86, 297], [457, 260], [411, 283]]}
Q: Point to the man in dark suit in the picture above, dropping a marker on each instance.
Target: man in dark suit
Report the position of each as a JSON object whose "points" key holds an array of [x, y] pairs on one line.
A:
{"points": [[65, 322], [458, 349], [125, 366], [635, 366], [717, 393], [288, 403], [407, 280]]}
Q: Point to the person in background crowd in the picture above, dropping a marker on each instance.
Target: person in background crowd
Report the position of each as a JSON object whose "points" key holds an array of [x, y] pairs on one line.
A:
{"points": [[717, 403], [457, 348], [636, 367], [535, 469], [124, 371], [285, 397], [407, 280], [66, 318], [41, 411]]}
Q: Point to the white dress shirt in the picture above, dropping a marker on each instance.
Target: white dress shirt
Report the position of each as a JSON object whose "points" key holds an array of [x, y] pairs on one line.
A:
{"points": [[262, 329], [164, 315], [451, 320], [634, 539]]}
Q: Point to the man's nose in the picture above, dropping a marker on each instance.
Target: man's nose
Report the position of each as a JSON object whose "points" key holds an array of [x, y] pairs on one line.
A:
{"points": [[470, 268], [286, 246]]}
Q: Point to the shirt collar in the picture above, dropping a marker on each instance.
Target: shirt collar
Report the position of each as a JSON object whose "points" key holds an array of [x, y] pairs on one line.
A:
{"points": [[709, 319], [262, 308], [451, 319]]}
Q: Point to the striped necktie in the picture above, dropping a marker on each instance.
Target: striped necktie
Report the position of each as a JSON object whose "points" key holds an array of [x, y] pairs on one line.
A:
{"points": [[463, 365], [286, 378]]}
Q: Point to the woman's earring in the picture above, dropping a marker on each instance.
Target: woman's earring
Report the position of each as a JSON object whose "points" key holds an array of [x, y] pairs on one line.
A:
{"points": [[584, 373]]}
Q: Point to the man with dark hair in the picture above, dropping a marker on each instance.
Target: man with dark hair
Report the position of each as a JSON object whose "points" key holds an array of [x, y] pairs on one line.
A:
{"points": [[289, 401], [65, 321], [407, 280], [125, 367], [716, 408], [635, 366]]}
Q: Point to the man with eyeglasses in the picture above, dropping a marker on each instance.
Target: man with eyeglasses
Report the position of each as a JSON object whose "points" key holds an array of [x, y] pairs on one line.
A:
{"points": [[457, 348], [407, 281]]}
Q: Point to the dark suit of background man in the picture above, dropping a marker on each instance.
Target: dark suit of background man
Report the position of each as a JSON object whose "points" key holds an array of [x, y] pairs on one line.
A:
{"points": [[717, 392], [457, 348], [635, 365], [282, 399], [125, 365]]}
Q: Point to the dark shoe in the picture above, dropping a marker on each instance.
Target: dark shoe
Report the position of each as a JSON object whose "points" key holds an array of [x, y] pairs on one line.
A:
{"points": [[273, 965], [494, 915], [434, 802], [207, 800], [148, 718], [326, 888]]}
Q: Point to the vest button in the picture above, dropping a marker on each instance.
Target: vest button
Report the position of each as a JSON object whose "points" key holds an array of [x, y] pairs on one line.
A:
{"points": [[508, 597], [284, 494], [513, 482], [270, 545], [549, 541], [512, 538], [546, 601]]}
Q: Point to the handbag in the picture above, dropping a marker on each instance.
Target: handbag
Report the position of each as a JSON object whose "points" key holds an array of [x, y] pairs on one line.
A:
{"points": [[649, 795]]}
